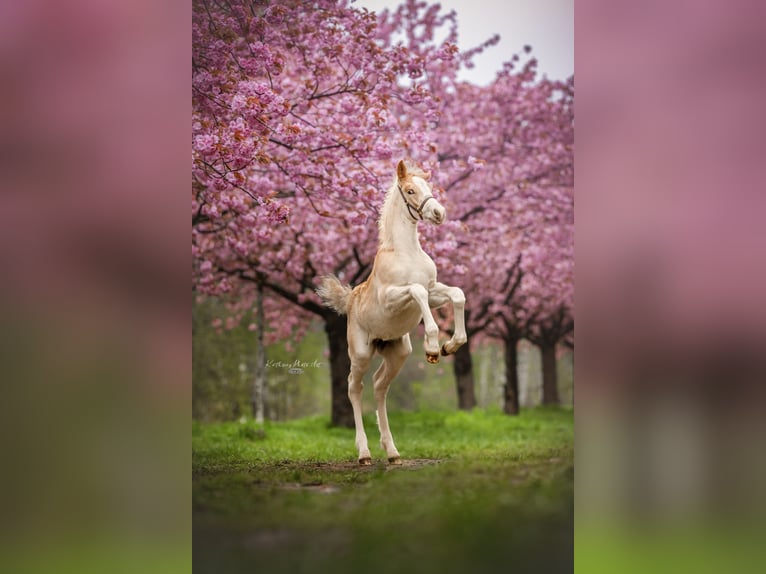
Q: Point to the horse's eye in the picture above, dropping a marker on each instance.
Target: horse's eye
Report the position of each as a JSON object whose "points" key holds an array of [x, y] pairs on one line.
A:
{"points": [[411, 191]]}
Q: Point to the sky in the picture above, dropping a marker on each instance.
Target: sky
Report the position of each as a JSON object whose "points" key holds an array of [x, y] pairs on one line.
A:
{"points": [[546, 25]]}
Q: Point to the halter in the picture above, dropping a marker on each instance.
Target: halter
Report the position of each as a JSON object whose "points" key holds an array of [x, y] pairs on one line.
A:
{"points": [[418, 210]]}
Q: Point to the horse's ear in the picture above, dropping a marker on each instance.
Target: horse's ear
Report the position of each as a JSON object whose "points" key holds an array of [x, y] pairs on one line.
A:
{"points": [[427, 175], [401, 170]]}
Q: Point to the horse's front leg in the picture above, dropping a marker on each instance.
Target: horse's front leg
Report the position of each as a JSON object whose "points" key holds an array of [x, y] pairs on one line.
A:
{"points": [[398, 296], [440, 294]]}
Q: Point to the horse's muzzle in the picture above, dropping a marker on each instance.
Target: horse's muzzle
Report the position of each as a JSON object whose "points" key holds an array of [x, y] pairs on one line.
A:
{"points": [[438, 215]]}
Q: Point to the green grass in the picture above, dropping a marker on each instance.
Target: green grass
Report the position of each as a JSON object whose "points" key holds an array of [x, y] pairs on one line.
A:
{"points": [[479, 492]]}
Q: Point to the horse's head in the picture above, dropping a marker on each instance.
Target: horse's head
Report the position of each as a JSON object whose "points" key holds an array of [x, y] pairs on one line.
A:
{"points": [[417, 194]]}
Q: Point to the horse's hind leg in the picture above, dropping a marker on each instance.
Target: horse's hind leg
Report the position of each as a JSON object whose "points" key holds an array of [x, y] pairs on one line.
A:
{"points": [[394, 355], [360, 352]]}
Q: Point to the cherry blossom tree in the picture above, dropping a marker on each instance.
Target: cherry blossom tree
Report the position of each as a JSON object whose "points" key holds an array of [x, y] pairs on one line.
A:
{"points": [[508, 152], [298, 118], [300, 114]]}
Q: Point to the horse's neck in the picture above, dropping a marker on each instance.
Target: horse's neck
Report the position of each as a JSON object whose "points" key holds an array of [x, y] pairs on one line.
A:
{"points": [[398, 231]]}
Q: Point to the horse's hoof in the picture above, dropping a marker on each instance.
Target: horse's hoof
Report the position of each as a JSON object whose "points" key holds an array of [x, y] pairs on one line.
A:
{"points": [[366, 461], [395, 461], [433, 359], [445, 352]]}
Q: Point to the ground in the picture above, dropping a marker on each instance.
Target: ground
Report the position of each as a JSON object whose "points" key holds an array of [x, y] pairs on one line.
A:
{"points": [[476, 492]]}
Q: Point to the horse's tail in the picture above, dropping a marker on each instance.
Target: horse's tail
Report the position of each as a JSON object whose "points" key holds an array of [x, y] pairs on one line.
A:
{"points": [[334, 294]]}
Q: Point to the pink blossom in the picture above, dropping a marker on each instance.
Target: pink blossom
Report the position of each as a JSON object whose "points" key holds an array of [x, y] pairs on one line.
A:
{"points": [[298, 119], [205, 143], [475, 163]]}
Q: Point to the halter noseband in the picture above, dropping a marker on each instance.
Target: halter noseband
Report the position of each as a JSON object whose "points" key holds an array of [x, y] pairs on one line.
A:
{"points": [[418, 210]]}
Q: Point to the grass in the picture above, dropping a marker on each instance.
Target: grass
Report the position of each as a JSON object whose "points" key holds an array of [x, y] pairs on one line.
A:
{"points": [[478, 492]]}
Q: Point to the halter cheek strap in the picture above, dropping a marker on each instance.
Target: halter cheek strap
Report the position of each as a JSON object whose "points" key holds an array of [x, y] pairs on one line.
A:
{"points": [[410, 208]]}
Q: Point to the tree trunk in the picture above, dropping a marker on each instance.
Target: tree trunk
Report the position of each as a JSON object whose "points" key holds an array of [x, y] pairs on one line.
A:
{"points": [[511, 387], [573, 377], [259, 381], [463, 367], [550, 380], [340, 366], [486, 364]]}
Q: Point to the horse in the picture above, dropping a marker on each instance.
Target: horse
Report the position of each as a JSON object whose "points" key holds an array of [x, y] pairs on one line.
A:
{"points": [[400, 292]]}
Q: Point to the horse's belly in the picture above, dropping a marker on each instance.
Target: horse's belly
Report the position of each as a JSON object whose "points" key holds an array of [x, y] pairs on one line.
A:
{"points": [[388, 327]]}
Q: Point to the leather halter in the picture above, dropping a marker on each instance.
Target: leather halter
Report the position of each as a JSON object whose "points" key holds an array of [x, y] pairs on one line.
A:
{"points": [[410, 207]]}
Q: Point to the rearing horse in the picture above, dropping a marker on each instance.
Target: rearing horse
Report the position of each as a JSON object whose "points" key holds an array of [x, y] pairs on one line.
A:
{"points": [[401, 290]]}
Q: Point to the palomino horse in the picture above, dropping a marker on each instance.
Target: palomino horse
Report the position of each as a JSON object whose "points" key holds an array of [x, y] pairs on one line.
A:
{"points": [[401, 290]]}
